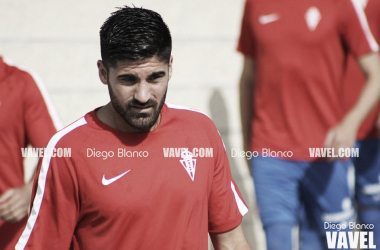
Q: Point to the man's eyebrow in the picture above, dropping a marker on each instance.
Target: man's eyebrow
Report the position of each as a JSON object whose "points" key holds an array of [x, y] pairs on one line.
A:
{"points": [[155, 75]]}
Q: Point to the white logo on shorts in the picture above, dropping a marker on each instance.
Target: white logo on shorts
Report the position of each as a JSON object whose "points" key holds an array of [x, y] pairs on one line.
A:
{"points": [[347, 213], [373, 190]]}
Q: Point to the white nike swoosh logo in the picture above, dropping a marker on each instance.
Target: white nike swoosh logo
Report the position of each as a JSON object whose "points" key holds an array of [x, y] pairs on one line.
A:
{"points": [[106, 182], [265, 19]]}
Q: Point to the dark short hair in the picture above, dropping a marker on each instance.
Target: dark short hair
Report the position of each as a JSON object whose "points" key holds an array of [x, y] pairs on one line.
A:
{"points": [[134, 34]]}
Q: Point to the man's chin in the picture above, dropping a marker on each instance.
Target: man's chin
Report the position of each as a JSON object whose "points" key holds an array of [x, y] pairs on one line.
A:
{"points": [[142, 124]]}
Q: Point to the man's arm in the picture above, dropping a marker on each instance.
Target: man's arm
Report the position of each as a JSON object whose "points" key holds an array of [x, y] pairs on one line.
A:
{"points": [[344, 134], [41, 123], [55, 204], [230, 240], [246, 100], [14, 203]]}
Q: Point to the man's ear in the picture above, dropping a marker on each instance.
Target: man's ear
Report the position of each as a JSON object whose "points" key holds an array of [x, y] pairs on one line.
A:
{"points": [[170, 67], [102, 72]]}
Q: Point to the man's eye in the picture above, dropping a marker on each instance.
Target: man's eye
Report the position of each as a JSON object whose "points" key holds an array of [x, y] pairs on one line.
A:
{"points": [[155, 77], [128, 79]]}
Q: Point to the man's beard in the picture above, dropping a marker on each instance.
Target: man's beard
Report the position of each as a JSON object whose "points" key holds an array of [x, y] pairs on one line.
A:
{"points": [[140, 121]]}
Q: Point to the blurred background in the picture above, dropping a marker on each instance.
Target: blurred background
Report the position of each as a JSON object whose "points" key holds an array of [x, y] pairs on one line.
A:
{"points": [[59, 41]]}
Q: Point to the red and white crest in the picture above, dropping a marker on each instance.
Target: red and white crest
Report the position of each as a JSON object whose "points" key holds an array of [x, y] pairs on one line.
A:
{"points": [[312, 17], [188, 163]]}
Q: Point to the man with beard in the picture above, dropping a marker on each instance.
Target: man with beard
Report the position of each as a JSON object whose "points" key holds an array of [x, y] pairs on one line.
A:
{"points": [[143, 174]]}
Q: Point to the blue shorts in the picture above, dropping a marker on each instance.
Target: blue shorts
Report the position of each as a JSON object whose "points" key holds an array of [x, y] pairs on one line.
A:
{"points": [[367, 171], [323, 189]]}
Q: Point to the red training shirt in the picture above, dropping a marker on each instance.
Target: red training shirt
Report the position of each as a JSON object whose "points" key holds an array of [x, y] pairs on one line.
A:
{"points": [[167, 189], [26, 117], [300, 49], [354, 79]]}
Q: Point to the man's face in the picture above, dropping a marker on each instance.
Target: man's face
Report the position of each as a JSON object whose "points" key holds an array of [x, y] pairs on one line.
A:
{"points": [[138, 90]]}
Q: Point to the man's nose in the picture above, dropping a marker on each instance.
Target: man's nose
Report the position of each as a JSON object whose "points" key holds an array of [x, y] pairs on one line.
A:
{"points": [[142, 92]]}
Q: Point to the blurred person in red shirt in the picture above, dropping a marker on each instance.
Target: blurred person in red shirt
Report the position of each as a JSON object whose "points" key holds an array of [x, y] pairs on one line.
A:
{"points": [[27, 117], [367, 165], [292, 114]]}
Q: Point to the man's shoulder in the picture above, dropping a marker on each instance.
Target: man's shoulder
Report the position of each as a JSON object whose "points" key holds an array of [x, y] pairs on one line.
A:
{"points": [[347, 3], [71, 136], [189, 120], [18, 77], [15, 70], [185, 114]]}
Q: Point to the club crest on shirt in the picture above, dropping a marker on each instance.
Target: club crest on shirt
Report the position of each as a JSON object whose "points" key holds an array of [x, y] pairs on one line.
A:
{"points": [[312, 17], [188, 163]]}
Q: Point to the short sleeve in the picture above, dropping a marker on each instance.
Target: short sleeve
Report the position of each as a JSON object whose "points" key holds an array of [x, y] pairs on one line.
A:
{"points": [[246, 44], [40, 118], [354, 28], [373, 16], [55, 206], [226, 206]]}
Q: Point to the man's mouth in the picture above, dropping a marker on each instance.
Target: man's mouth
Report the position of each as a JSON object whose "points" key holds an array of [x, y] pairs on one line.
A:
{"points": [[141, 108]]}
